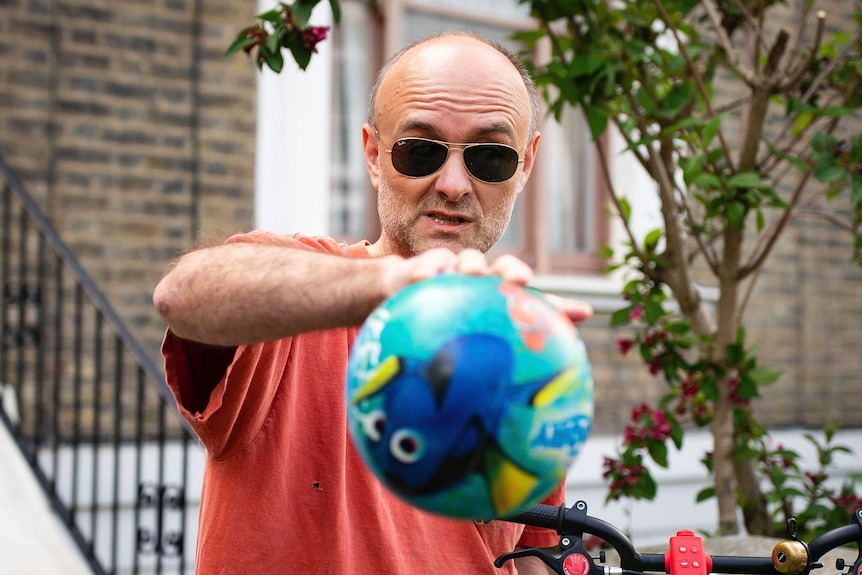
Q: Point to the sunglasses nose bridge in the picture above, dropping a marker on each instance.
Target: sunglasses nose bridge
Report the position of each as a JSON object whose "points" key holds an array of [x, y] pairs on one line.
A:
{"points": [[457, 148]]}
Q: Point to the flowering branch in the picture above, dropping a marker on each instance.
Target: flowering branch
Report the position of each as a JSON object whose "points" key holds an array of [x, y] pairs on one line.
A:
{"points": [[286, 26]]}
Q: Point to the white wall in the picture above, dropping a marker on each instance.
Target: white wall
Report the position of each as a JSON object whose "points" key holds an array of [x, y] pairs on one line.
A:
{"points": [[293, 141]]}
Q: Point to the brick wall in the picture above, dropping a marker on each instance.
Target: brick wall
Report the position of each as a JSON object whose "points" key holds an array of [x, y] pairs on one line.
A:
{"points": [[132, 130]]}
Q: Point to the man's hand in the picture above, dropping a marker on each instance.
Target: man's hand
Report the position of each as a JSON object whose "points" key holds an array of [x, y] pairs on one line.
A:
{"points": [[474, 262], [469, 262]]}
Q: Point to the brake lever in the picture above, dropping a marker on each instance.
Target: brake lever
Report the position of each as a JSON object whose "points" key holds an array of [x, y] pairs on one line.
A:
{"points": [[573, 559], [546, 557]]}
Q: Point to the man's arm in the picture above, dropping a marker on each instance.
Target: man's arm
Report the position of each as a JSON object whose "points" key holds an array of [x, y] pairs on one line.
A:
{"points": [[241, 293]]}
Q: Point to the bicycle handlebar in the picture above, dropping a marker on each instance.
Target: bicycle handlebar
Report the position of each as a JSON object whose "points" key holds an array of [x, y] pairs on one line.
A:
{"points": [[685, 555]]}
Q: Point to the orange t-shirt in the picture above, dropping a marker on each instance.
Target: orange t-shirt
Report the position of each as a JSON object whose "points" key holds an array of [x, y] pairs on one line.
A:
{"points": [[284, 490]]}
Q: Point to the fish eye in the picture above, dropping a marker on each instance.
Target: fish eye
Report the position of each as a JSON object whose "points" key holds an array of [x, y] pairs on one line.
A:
{"points": [[406, 446], [373, 425]]}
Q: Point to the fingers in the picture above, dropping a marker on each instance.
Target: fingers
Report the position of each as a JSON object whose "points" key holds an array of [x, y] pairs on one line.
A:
{"points": [[577, 311], [470, 262], [431, 263], [512, 269]]}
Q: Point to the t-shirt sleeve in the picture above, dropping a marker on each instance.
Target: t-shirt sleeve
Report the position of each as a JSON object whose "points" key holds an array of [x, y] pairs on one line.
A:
{"points": [[225, 393], [539, 536], [228, 419]]}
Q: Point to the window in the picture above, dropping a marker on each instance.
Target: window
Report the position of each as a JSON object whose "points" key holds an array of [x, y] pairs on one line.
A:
{"points": [[557, 225]]}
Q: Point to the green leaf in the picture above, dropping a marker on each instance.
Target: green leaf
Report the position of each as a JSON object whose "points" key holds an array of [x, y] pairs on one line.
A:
{"points": [[677, 433], [827, 171], [747, 388], [710, 130], [802, 121], [597, 120], [764, 375], [585, 64], [273, 43], [678, 327], [273, 16], [335, 6], [692, 167], [677, 99], [736, 212], [301, 10], [273, 59], [836, 111], [649, 486], [301, 55], [658, 451], [241, 42], [746, 180], [646, 102], [856, 190], [653, 311], [528, 37], [625, 209], [621, 317], [651, 240], [707, 181], [704, 494]]}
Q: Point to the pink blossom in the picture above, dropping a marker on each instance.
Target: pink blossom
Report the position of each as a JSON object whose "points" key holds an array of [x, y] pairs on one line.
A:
{"points": [[313, 35], [624, 345]]}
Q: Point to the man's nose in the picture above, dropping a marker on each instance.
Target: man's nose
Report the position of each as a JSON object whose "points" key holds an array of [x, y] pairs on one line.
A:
{"points": [[453, 180]]}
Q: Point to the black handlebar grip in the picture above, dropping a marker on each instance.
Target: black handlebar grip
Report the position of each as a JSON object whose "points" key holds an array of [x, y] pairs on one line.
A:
{"points": [[541, 515]]}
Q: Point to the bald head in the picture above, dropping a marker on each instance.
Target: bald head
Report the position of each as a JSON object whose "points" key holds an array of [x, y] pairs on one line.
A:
{"points": [[453, 52]]}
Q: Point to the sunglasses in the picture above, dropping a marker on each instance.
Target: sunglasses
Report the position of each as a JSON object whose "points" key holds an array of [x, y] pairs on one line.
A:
{"points": [[489, 162]]}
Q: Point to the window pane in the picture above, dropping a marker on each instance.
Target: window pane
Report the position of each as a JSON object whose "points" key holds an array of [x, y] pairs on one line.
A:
{"points": [[418, 24], [571, 183], [509, 9], [352, 83]]}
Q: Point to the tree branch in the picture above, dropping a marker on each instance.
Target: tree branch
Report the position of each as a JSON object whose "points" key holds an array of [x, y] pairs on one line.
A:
{"points": [[757, 259], [695, 74], [734, 60], [794, 73]]}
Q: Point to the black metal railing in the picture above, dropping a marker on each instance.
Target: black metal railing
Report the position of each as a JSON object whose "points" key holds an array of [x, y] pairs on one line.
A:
{"points": [[87, 406]]}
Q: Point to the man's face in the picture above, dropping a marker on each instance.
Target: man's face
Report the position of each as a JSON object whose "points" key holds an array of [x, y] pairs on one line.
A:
{"points": [[456, 90]]}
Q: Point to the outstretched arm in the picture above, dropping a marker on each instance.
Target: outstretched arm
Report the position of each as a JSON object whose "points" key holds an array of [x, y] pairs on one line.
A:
{"points": [[242, 293]]}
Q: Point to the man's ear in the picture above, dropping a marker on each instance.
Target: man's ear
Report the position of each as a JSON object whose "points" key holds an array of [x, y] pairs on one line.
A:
{"points": [[529, 159], [372, 154]]}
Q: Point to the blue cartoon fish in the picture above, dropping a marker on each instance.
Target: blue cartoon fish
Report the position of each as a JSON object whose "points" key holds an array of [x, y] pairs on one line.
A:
{"points": [[440, 420]]}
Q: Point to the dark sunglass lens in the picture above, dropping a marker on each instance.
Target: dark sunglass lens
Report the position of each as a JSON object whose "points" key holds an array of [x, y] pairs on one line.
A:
{"points": [[417, 158], [491, 162]]}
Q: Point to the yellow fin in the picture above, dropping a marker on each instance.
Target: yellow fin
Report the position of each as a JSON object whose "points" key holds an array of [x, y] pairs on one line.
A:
{"points": [[381, 377], [509, 485], [555, 388]]}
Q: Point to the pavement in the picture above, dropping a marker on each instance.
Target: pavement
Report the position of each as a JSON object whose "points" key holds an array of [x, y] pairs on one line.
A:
{"points": [[33, 540]]}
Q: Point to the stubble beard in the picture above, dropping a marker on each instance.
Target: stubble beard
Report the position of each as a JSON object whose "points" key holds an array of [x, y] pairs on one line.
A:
{"points": [[399, 221]]}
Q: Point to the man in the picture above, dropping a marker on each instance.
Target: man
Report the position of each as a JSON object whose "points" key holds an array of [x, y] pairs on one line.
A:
{"points": [[261, 326]]}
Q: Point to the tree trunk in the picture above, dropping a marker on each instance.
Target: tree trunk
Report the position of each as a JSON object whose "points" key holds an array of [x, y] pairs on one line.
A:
{"points": [[752, 499], [724, 475], [723, 435]]}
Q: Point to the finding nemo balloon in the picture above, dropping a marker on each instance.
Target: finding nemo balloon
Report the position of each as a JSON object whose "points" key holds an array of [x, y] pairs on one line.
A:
{"points": [[469, 396]]}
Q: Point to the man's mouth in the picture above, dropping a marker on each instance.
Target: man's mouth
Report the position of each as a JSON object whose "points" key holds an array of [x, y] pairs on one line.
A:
{"points": [[446, 220]]}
